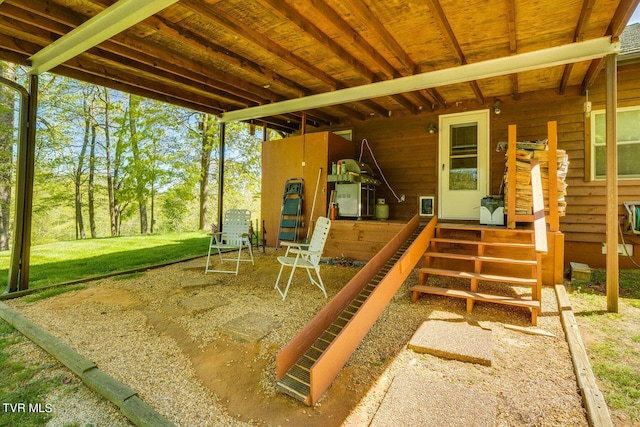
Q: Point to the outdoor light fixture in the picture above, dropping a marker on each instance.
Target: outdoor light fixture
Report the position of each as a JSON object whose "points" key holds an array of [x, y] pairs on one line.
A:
{"points": [[587, 106], [432, 128], [496, 107]]}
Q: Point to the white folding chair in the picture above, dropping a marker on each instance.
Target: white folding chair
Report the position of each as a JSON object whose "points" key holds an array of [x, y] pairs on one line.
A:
{"points": [[235, 234], [307, 256]]}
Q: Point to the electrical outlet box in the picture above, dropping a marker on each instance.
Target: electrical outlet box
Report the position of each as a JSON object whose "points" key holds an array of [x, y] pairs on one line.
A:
{"points": [[625, 249]]}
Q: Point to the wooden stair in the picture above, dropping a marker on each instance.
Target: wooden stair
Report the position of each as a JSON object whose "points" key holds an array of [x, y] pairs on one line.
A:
{"points": [[483, 254]]}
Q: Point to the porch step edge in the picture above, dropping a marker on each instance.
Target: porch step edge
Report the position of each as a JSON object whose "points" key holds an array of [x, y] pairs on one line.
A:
{"points": [[479, 276], [465, 257], [520, 302]]}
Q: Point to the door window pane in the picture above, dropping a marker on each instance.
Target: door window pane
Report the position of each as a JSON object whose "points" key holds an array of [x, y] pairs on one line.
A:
{"points": [[463, 157]]}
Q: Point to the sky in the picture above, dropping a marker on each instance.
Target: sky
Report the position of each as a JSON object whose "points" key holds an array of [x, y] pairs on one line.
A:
{"points": [[636, 16]]}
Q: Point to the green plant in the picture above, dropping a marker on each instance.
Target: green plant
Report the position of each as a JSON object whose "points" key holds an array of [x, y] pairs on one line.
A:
{"points": [[21, 387], [61, 262], [612, 339]]}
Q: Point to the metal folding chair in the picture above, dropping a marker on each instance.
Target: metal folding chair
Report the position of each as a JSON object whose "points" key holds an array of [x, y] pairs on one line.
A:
{"points": [[235, 234], [307, 256]]}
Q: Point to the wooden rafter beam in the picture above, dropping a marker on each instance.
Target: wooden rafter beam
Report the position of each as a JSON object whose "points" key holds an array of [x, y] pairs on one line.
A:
{"points": [[93, 69], [522, 62], [112, 20], [239, 29], [363, 46], [304, 24], [364, 14], [618, 23], [373, 23], [123, 57], [450, 37], [513, 45], [585, 14], [57, 21], [295, 18]]}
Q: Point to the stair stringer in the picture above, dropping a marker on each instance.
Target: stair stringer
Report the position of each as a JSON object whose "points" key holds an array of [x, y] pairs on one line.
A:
{"points": [[336, 355]]}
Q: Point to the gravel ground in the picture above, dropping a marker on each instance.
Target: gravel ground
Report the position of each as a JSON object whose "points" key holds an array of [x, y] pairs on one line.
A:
{"points": [[167, 334]]}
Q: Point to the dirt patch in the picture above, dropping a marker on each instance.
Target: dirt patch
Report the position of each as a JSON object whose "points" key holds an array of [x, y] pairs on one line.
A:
{"points": [[107, 296], [169, 343]]}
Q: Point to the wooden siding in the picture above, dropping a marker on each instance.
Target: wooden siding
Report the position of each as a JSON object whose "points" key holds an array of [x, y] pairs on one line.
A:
{"points": [[408, 156]]}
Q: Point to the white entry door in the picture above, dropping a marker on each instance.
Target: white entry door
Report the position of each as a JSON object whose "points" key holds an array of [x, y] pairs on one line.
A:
{"points": [[464, 164]]}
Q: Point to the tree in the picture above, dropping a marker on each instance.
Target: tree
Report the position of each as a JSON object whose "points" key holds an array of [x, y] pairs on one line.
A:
{"points": [[137, 164], [7, 100], [208, 138]]}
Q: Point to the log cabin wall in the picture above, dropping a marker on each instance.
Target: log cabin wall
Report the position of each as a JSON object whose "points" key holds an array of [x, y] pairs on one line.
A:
{"points": [[408, 156]]}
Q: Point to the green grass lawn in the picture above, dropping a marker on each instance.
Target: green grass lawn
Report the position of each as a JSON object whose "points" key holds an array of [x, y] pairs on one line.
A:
{"points": [[612, 340], [66, 261], [20, 383]]}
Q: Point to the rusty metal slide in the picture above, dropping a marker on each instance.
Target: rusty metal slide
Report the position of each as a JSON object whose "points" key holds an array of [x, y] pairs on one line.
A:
{"points": [[308, 364]]}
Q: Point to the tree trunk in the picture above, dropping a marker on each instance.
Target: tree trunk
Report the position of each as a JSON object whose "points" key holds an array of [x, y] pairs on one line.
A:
{"points": [[6, 154], [78, 173], [153, 198], [92, 170], [111, 169], [205, 167], [135, 149]]}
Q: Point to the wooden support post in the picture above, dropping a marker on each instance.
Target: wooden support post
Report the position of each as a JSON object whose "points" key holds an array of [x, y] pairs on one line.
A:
{"points": [[612, 186], [21, 246]]}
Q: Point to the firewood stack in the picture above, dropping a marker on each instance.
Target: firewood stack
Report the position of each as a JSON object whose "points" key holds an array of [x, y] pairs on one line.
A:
{"points": [[525, 151]]}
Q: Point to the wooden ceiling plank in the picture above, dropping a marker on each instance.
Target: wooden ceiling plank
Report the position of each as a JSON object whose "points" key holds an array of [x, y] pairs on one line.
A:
{"points": [[236, 27], [294, 17], [619, 21], [585, 13], [157, 25], [349, 33], [364, 14], [198, 43], [313, 31], [140, 50], [151, 63], [450, 37], [513, 44], [372, 22], [112, 20], [529, 61]]}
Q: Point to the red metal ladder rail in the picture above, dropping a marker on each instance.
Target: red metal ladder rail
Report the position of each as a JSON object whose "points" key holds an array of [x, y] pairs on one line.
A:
{"points": [[308, 364]]}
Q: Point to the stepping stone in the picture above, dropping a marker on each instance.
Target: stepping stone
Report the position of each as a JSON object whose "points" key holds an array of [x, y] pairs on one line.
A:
{"points": [[198, 282], [199, 303], [251, 327], [453, 340], [417, 399], [196, 264]]}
